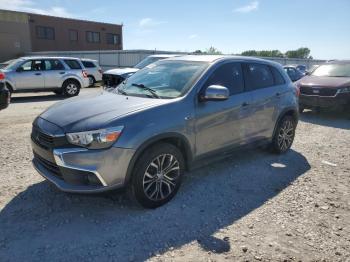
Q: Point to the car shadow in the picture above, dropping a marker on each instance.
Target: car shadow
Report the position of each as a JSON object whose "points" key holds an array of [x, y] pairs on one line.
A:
{"points": [[337, 119], [42, 223], [36, 98]]}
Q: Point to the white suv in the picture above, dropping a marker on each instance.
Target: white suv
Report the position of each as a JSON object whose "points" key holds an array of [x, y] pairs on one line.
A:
{"points": [[94, 70], [63, 75]]}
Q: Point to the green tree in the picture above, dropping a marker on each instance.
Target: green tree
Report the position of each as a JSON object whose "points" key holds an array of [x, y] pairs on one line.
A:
{"points": [[212, 51], [302, 52]]}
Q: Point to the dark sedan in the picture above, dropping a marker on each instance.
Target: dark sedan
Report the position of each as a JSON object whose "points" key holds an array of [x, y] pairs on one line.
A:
{"points": [[294, 73], [328, 86]]}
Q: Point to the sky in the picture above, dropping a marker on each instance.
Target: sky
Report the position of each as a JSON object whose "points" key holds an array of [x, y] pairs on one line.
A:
{"points": [[232, 26]]}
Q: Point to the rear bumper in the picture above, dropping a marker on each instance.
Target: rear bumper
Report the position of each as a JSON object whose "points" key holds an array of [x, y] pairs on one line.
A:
{"points": [[79, 170], [340, 99]]}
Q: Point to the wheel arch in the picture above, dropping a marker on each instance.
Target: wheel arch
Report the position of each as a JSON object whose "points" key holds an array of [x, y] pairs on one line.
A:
{"points": [[176, 139], [9, 86], [72, 78], [290, 111]]}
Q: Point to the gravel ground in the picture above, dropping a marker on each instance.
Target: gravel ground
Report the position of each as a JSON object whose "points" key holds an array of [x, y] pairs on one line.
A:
{"points": [[250, 206]]}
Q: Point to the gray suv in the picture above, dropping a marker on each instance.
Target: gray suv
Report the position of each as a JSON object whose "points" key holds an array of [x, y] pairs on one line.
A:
{"points": [[62, 75], [164, 119]]}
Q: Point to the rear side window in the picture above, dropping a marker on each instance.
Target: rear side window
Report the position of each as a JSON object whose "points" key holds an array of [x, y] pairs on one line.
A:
{"points": [[73, 64], [53, 64], [229, 75], [257, 76], [279, 80], [88, 64]]}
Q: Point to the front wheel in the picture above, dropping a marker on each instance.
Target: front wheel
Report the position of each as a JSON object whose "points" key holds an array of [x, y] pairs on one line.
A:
{"points": [[157, 176], [284, 135]]}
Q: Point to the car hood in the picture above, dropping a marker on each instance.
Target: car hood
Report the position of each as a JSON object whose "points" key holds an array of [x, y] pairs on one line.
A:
{"points": [[121, 71], [321, 81], [93, 112]]}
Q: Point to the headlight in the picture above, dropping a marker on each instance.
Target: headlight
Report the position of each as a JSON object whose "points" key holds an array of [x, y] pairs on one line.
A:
{"points": [[96, 139], [344, 90]]}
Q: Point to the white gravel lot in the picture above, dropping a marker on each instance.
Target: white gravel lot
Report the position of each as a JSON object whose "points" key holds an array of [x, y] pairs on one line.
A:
{"points": [[251, 206]]}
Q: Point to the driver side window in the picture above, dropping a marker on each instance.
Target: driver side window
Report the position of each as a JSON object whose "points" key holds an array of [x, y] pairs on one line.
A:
{"points": [[27, 66], [229, 75]]}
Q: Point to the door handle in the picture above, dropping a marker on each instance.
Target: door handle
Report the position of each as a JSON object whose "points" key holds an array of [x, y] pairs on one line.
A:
{"points": [[37, 74], [245, 104], [61, 73]]}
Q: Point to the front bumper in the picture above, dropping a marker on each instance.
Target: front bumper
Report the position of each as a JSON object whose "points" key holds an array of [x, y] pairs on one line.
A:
{"points": [[80, 170], [340, 99]]}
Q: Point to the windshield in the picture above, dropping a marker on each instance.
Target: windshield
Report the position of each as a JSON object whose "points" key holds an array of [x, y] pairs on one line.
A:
{"points": [[149, 60], [12, 64], [332, 70], [163, 79]]}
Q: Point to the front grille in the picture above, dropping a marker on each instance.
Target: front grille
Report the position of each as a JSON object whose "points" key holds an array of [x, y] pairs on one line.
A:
{"points": [[318, 91], [44, 140], [112, 80], [53, 168]]}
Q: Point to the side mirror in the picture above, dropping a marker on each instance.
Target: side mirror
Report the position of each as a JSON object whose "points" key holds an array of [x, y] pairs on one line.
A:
{"points": [[215, 93]]}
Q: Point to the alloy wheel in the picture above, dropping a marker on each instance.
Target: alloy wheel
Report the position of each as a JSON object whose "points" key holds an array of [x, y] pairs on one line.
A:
{"points": [[71, 89], [286, 135], [161, 176]]}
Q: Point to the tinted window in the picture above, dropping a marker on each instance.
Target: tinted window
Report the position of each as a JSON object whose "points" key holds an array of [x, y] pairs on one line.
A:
{"points": [[88, 64], [112, 39], [228, 75], [73, 64], [279, 80], [44, 32], [73, 35], [53, 65], [257, 76], [92, 37], [27, 66]]}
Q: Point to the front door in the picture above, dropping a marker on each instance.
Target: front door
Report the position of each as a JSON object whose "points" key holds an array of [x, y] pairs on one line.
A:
{"points": [[218, 123], [30, 75]]}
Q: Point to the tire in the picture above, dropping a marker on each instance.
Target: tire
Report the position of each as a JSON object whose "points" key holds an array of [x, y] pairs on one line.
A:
{"points": [[152, 188], [71, 88], [284, 135], [91, 81]]}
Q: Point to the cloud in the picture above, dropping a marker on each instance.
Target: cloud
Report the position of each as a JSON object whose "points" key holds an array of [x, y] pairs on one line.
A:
{"points": [[149, 22], [193, 36], [247, 8], [31, 7]]}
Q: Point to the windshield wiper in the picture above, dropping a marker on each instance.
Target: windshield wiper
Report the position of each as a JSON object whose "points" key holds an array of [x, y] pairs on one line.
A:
{"points": [[122, 91], [142, 86]]}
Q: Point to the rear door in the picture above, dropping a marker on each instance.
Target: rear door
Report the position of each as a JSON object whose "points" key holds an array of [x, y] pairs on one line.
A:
{"points": [[219, 123], [54, 73], [29, 75], [265, 86]]}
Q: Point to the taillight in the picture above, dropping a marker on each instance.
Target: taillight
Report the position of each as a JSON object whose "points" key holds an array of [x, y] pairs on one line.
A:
{"points": [[2, 76], [85, 73]]}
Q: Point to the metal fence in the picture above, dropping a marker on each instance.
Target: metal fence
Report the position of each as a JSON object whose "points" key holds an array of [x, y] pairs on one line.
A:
{"points": [[129, 58]]}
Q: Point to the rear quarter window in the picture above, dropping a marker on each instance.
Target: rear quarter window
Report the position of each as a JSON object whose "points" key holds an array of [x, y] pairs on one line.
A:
{"points": [[278, 78], [73, 64], [88, 64]]}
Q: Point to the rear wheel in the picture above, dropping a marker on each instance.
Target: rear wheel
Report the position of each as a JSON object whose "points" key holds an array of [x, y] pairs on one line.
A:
{"points": [[91, 80], [71, 88], [157, 176], [284, 135]]}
